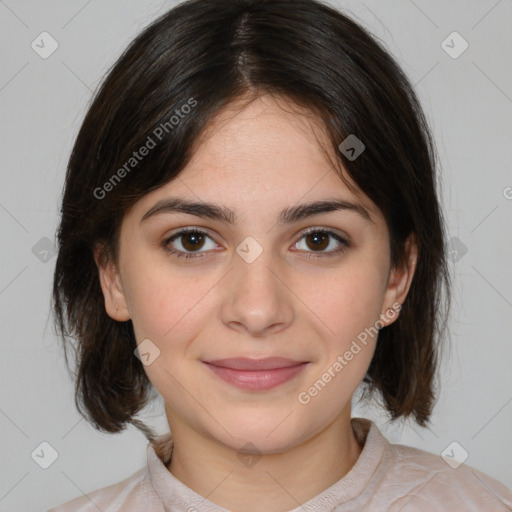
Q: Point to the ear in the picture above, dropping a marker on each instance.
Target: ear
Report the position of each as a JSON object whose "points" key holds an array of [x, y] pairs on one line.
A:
{"points": [[399, 284], [110, 281]]}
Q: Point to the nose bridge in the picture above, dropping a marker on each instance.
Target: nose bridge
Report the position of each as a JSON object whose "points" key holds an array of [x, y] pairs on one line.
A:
{"points": [[257, 298]]}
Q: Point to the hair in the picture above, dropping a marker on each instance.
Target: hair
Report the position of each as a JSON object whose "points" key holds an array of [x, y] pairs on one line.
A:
{"points": [[205, 54]]}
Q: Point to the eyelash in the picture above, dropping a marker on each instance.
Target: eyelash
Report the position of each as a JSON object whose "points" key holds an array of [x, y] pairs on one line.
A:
{"points": [[311, 255]]}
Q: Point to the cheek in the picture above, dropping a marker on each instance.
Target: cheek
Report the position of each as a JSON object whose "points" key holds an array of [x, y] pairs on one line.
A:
{"points": [[168, 308], [347, 302], [349, 309], [163, 300]]}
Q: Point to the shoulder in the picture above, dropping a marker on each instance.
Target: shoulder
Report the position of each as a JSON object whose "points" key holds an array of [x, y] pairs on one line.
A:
{"points": [[130, 495], [430, 483]]}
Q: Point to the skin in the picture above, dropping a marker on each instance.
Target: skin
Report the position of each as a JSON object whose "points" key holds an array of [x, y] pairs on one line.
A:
{"points": [[256, 160]]}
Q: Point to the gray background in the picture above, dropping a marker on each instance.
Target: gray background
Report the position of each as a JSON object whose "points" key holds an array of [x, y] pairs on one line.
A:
{"points": [[468, 101]]}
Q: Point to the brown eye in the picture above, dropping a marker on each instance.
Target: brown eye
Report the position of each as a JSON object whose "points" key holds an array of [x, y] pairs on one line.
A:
{"points": [[318, 240], [190, 241]]}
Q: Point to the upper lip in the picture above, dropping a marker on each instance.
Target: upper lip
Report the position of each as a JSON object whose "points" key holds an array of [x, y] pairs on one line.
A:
{"points": [[268, 363]]}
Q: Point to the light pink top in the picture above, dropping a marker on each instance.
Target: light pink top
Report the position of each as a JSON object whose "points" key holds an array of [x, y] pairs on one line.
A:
{"points": [[386, 477]]}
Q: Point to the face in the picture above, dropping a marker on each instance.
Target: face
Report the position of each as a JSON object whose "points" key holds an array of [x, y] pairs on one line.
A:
{"points": [[256, 283]]}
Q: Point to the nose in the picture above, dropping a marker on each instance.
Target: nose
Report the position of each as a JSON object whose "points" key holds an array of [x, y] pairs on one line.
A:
{"points": [[257, 299]]}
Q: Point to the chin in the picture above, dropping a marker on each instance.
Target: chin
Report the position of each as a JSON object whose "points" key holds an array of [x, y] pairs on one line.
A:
{"points": [[269, 433]]}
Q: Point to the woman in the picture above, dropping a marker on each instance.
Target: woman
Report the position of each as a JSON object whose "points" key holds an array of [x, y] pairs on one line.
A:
{"points": [[251, 228]]}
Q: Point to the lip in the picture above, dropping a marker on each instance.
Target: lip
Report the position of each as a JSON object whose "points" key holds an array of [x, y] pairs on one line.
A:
{"points": [[256, 374], [245, 363]]}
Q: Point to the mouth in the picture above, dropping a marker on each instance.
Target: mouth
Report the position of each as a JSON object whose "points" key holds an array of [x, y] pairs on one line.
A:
{"points": [[256, 374]]}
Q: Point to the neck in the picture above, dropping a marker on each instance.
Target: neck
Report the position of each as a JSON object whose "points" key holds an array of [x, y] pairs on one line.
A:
{"points": [[279, 481]]}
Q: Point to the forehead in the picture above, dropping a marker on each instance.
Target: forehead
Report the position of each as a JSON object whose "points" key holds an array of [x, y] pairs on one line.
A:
{"points": [[268, 135], [262, 154]]}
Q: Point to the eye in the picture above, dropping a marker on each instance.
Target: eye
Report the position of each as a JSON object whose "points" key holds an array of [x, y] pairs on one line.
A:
{"points": [[320, 239], [190, 239]]}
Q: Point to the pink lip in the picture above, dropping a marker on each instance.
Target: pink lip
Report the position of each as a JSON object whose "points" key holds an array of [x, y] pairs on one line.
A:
{"points": [[256, 374], [244, 363]]}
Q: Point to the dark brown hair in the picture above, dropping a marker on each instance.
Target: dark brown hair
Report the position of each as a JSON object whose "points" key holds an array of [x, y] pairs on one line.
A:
{"points": [[205, 54]]}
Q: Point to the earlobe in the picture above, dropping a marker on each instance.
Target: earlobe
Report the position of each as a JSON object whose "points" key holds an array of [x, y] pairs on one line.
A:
{"points": [[111, 286]]}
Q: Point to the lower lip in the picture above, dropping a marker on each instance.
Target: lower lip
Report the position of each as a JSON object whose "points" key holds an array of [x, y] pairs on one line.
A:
{"points": [[257, 380]]}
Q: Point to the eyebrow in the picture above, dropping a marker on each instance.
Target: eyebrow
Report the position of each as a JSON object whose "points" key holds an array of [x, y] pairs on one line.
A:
{"points": [[228, 216]]}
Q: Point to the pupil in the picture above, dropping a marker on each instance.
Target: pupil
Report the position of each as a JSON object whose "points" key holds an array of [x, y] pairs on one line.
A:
{"points": [[194, 239], [319, 240]]}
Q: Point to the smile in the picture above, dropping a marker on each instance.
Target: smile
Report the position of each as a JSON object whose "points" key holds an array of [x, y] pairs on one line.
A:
{"points": [[256, 375]]}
